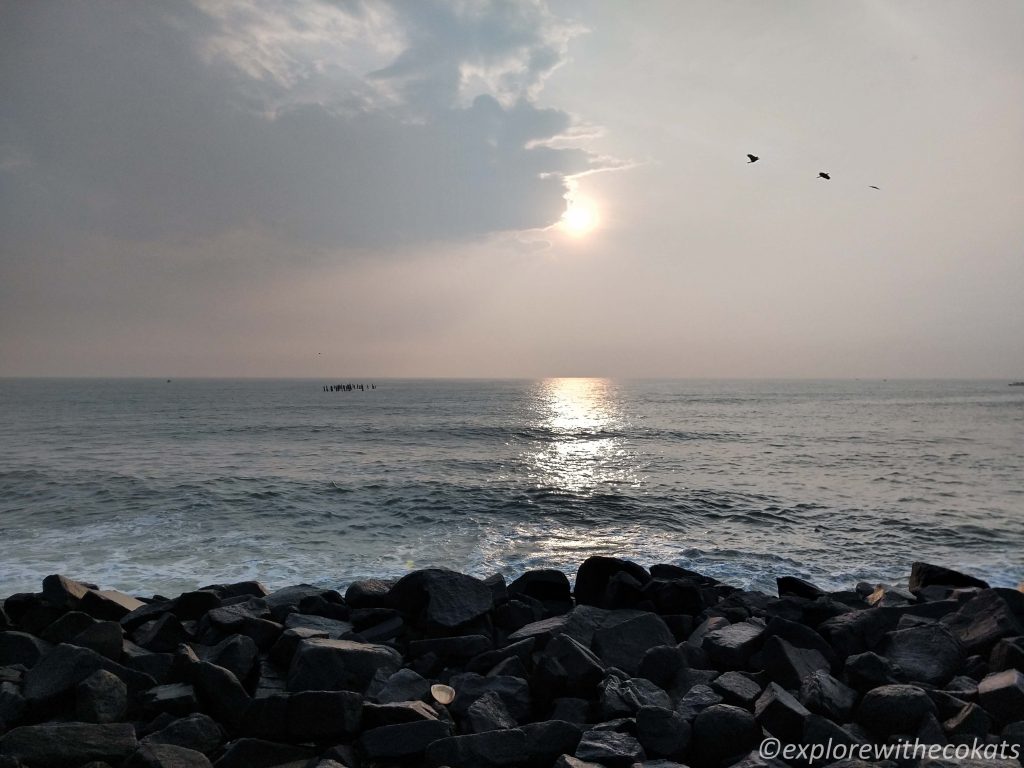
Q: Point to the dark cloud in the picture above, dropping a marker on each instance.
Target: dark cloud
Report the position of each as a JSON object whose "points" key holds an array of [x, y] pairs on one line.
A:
{"points": [[150, 122]]}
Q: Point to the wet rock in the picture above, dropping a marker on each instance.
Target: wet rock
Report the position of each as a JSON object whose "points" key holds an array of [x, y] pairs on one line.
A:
{"points": [[104, 637], [1008, 653], [610, 748], [891, 709], [196, 731], [336, 629], [161, 635], [799, 636], [370, 593], [402, 740], [869, 670], [64, 592], [791, 586], [824, 695], [594, 573], [108, 604], [250, 617], [925, 575], [789, 666], [623, 645], [441, 599], [12, 705], [238, 654], [65, 666], [731, 646], [780, 714], [59, 745], [983, 621], [102, 697], [570, 668], [324, 715], [489, 713], [969, 724], [167, 756], [377, 715], [452, 650], [570, 709], [547, 585], [662, 732], [486, 661], [324, 664], [64, 629], [1002, 695], [722, 734], [663, 665], [513, 691], [681, 597], [478, 750], [737, 688], [926, 654]]}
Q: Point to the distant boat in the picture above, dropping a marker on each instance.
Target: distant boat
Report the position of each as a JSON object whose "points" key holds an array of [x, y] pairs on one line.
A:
{"points": [[1017, 383]]}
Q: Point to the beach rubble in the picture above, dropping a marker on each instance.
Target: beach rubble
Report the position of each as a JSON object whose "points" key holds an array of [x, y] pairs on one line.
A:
{"points": [[630, 666]]}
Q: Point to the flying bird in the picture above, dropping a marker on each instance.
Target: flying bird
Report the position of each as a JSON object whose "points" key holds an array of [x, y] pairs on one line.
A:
{"points": [[873, 186], [824, 175], [753, 158]]}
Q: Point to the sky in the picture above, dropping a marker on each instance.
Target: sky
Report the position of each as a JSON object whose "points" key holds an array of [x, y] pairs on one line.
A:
{"points": [[419, 188]]}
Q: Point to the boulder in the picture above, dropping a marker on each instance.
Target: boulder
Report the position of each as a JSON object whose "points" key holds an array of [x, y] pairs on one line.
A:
{"points": [[610, 748], [65, 666], [1002, 695], [402, 741], [780, 714], [260, 753], [324, 715], [12, 704], [377, 715], [469, 686], [788, 665], [545, 741], [220, 693], [696, 700], [595, 572], [440, 599], [22, 648], [892, 709], [370, 593], [824, 695], [478, 750], [737, 688], [925, 575], [196, 731], [60, 745], [162, 635], [968, 725], [549, 586], [403, 685], [623, 697], [103, 637], [167, 756], [325, 664], [926, 654], [172, 698], [791, 586], [731, 646], [489, 713], [237, 653], [662, 732], [452, 650], [102, 697], [983, 621], [570, 668], [723, 733], [623, 645], [869, 670]]}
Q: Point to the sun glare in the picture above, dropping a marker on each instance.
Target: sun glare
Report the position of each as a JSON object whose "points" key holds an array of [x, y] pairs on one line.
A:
{"points": [[579, 218]]}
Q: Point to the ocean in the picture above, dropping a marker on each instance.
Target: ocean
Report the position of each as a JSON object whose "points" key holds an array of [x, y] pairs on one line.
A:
{"points": [[156, 486]]}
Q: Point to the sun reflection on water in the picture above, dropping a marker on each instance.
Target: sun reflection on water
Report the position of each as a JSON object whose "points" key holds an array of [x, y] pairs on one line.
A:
{"points": [[586, 451]]}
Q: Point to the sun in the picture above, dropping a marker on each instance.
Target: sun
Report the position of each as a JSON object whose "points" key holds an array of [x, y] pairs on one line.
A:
{"points": [[579, 218]]}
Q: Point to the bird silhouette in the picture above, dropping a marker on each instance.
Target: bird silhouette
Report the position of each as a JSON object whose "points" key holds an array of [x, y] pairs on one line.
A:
{"points": [[873, 186], [753, 158], [823, 175]]}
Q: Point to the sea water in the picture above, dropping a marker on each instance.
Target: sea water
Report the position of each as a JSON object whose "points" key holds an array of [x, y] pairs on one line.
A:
{"points": [[161, 486]]}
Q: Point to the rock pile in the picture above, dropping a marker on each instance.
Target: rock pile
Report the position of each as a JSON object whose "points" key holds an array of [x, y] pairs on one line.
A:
{"points": [[653, 667]]}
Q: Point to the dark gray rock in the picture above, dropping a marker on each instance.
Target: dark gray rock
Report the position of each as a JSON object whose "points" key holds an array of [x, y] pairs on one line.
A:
{"points": [[662, 732], [779, 713], [324, 715], [1002, 695], [60, 745], [403, 685], [237, 653], [791, 586], [696, 700], [441, 599], [663, 665], [824, 695], [595, 572], [336, 629], [925, 575], [478, 750], [570, 709], [610, 748], [674, 597], [402, 740], [721, 734], [567, 667], [545, 741], [969, 724], [983, 621], [21, 648], [167, 756], [489, 713], [220, 693], [12, 704], [250, 617], [868, 670], [260, 753], [549, 586], [452, 650], [64, 592], [623, 697], [891, 709], [324, 664], [731, 646], [799, 636], [370, 593], [104, 637], [65, 666], [196, 731], [64, 629], [623, 645], [789, 666], [172, 698], [1008, 653], [469, 686], [108, 604], [737, 688], [926, 654], [162, 635], [101, 698], [377, 715]]}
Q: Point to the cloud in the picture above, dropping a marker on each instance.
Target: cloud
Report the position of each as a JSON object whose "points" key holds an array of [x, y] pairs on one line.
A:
{"points": [[347, 125]]}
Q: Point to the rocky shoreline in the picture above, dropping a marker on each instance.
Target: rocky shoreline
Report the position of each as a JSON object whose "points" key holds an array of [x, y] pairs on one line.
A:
{"points": [[630, 666]]}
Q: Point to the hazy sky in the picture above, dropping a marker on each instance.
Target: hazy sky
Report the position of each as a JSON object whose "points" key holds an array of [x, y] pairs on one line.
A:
{"points": [[352, 189]]}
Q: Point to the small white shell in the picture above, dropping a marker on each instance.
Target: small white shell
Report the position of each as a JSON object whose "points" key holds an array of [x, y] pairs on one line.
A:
{"points": [[443, 694]]}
